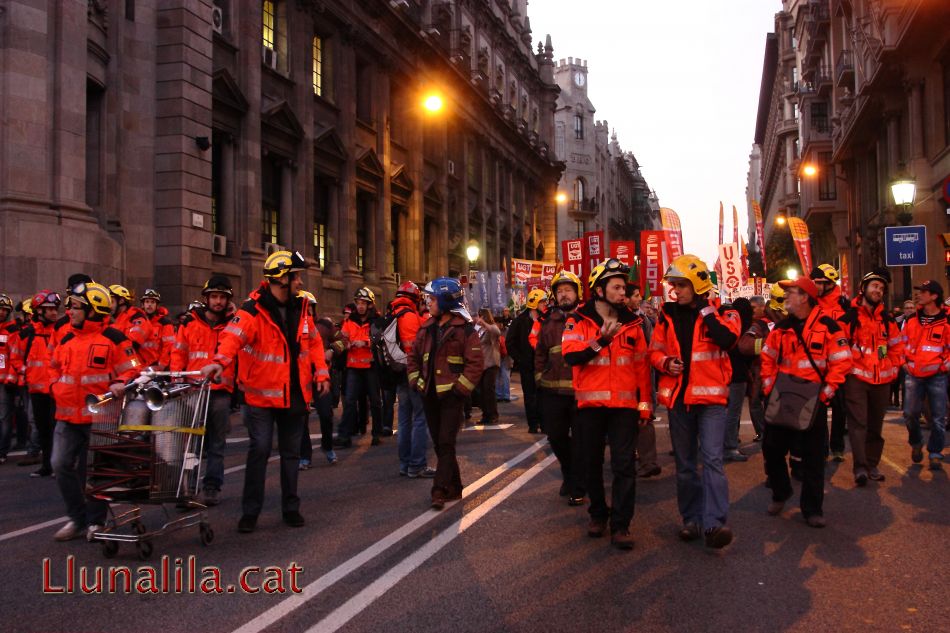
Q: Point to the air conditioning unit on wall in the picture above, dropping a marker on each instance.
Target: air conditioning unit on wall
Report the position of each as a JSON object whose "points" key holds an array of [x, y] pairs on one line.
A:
{"points": [[219, 245], [269, 57], [217, 20]]}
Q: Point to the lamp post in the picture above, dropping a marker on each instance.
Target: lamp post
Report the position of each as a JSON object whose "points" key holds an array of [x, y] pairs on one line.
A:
{"points": [[904, 190]]}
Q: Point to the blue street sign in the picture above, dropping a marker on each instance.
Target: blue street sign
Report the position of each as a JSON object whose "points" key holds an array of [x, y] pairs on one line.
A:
{"points": [[905, 245]]}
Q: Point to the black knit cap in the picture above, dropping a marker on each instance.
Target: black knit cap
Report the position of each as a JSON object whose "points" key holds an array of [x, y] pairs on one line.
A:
{"points": [[218, 283]]}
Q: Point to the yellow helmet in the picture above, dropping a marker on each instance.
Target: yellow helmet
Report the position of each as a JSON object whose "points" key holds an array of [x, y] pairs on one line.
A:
{"points": [[535, 297], [311, 300], [6, 302], [693, 269], [565, 277], [605, 270], [121, 292], [825, 271], [365, 294], [280, 263], [96, 297], [27, 306], [777, 299]]}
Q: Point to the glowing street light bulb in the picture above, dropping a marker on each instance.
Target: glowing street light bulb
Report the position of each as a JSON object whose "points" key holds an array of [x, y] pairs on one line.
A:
{"points": [[561, 197], [780, 220], [433, 103], [809, 170], [791, 274]]}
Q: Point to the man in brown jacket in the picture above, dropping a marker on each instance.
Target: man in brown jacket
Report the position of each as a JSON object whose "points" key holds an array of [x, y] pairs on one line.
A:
{"points": [[444, 365], [555, 380]]}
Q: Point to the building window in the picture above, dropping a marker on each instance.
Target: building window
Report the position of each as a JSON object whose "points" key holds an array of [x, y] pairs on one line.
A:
{"points": [[321, 216], [270, 24], [364, 92], [560, 143], [827, 187], [819, 117], [94, 94], [396, 215], [318, 65], [578, 126], [270, 202], [579, 191], [364, 207]]}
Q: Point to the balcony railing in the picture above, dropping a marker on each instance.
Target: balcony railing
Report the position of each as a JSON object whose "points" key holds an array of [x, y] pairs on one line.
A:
{"points": [[844, 67]]}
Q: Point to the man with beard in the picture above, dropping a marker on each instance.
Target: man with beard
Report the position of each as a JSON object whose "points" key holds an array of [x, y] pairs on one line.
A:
{"points": [[877, 352], [271, 336], [157, 348], [604, 344], [195, 343], [555, 380], [362, 373]]}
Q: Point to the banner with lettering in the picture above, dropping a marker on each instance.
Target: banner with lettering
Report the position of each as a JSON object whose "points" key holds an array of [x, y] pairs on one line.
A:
{"points": [[654, 258], [624, 251], [759, 233], [573, 256], [802, 242], [497, 291], [670, 220], [595, 248], [532, 274], [730, 259]]}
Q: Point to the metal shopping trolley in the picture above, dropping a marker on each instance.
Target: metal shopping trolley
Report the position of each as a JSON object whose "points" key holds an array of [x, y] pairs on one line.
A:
{"points": [[145, 449]]}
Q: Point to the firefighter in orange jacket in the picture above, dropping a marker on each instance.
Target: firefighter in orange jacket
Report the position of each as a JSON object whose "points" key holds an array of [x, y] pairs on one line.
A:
{"points": [[926, 338], [690, 351], [362, 373], [555, 379], [810, 346], [157, 348], [129, 319], [444, 365], [195, 344], [831, 304], [272, 338], [877, 352], [603, 342], [90, 359], [8, 379], [31, 359]]}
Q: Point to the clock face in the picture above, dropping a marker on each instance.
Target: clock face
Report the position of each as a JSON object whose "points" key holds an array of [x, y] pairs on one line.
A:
{"points": [[579, 78]]}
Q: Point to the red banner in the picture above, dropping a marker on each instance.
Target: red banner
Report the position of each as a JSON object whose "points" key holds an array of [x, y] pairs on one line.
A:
{"points": [[624, 251], [595, 248], [654, 259], [802, 242], [573, 256], [759, 232], [532, 274], [845, 276], [670, 221]]}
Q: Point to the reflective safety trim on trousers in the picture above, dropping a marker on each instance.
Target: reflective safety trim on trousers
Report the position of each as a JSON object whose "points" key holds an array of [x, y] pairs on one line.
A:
{"points": [[425, 357], [413, 375], [555, 349], [264, 393], [465, 382], [587, 396], [698, 390], [699, 357], [92, 379], [458, 360], [556, 384], [194, 355]]}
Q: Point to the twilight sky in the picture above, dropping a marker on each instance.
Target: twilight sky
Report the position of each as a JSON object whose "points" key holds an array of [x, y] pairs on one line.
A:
{"points": [[679, 82]]}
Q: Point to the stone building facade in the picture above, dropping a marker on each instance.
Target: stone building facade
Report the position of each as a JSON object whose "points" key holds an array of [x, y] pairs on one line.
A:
{"points": [[602, 186], [151, 142], [869, 86]]}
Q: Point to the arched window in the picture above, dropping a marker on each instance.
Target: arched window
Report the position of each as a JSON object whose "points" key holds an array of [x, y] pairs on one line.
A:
{"points": [[579, 191]]}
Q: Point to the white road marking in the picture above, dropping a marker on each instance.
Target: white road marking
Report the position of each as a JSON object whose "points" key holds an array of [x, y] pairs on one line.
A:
{"points": [[333, 576], [358, 603]]}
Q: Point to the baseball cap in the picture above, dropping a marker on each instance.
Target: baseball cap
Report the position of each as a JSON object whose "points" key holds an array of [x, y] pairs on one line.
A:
{"points": [[930, 286], [804, 284]]}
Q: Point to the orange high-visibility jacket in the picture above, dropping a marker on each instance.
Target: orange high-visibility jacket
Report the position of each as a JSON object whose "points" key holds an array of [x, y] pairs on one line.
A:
{"points": [[615, 376], [264, 355], [8, 339], [134, 323], [828, 345], [534, 333], [195, 345], [358, 330], [926, 347], [877, 347], [408, 321], [31, 356], [86, 361], [710, 370], [831, 305], [157, 348]]}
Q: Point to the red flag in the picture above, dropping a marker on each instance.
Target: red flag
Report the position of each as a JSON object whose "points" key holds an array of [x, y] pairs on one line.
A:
{"points": [[624, 251], [845, 276], [574, 254], [653, 261], [759, 232], [802, 242], [670, 221]]}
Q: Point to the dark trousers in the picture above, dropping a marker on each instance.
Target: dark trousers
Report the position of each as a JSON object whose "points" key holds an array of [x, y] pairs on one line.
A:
{"points": [[646, 447], [44, 411], [260, 423], [216, 438], [444, 419], [69, 453], [486, 399], [866, 404], [530, 390], [559, 415], [324, 406], [361, 383], [838, 427], [620, 428], [775, 446]]}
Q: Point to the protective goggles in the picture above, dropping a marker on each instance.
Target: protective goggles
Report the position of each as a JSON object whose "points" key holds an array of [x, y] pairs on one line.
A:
{"points": [[47, 300]]}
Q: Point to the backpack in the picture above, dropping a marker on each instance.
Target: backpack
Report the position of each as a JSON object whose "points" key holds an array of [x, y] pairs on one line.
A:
{"points": [[384, 340]]}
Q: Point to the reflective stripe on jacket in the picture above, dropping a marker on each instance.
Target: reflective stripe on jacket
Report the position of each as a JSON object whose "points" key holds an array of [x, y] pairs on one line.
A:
{"points": [[877, 347], [135, 325], [828, 345], [8, 337], [710, 369], [354, 330], [86, 362], [550, 370], [926, 347], [615, 377], [456, 366], [157, 348], [33, 341], [195, 345]]}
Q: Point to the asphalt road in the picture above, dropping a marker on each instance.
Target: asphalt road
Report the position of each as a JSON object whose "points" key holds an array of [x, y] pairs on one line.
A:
{"points": [[511, 556]]}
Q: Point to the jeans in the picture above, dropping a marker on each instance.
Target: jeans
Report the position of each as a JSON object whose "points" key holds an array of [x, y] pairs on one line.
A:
{"points": [[503, 382], [698, 432], [778, 441], [7, 395], [413, 436], [561, 423], [216, 437], [444, 419], [360, 383], [70, 447], [935, 389], [620, 427], [737, 391], [260, 423]]}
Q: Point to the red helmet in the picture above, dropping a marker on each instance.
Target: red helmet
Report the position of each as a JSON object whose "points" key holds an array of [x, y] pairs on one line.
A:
{"points": [[409, 289], [46, 299]]}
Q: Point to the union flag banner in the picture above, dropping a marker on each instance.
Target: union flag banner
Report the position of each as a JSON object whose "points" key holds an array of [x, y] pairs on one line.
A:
{"points": [[802, 242], [654, 259], [532, 274], [595, 248], [670, 221], [573, 256], [624, 251], [759, 232]]}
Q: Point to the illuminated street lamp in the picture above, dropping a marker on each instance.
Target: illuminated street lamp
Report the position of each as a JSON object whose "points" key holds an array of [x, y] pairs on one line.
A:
{"points": [[904, 190], [809, 170], [433, 103], [472, 251], [561, 197], [791, 274], [780, 220]]}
